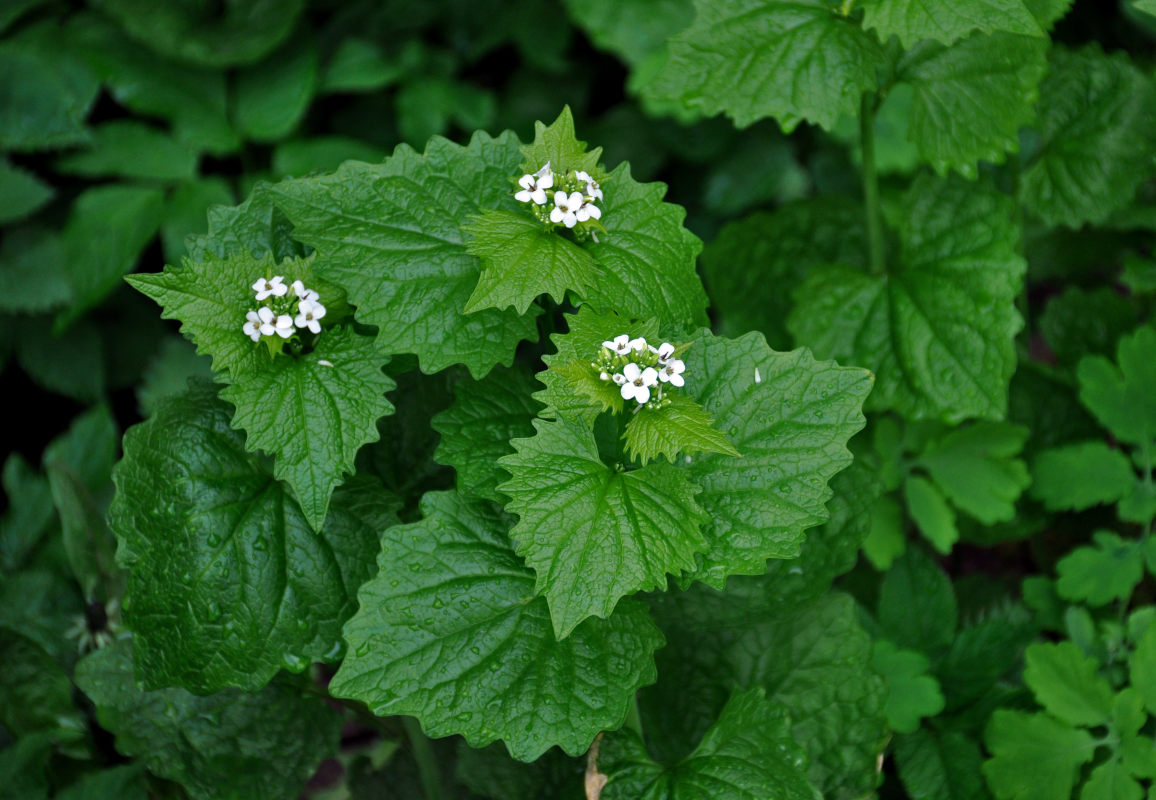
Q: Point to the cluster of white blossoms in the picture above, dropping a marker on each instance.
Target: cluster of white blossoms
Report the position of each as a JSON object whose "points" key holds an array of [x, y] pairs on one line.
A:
{"points": [[637, 368], [573, 198], [287, 309]]}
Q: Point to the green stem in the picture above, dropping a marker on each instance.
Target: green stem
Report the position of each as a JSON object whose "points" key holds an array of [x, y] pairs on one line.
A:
{"points": [[633, 717], [424, 756], [871, 184]]}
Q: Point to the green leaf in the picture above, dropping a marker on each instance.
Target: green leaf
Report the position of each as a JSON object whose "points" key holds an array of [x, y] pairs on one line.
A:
{"points": [[979, 656], [930, 512], [821, 62], [940, 766], [35, 692], [832, 549], [88, 544], [239, 32], [1122, 396], [1097, 140], [403, 458], [1065, 682], [522, 259], [814, 659], [946, 20], [632, 31], [976, 468], [1048, 12], [476, 430], [390, 234], [272, 96], [47, 92], [917, 608], [557, 144], [321, 154], [1079, 323], [28, 514], [358, 65], [228, 581], [1081, 475], [15, 9], [647, 257], [938, 328], [747, 753], [886, 540], [426, 106], [572, 390], [108, 228], [32, 273], [254, 228], [681, 426], [152, 84], [225, 746], [71, 364], [790, 417], [592, 533], [24, 766], [912, 692], [1111, 781], [313, 413], [1034, 757], [1097, 575], [450, 631], [21, 193], [185, 212], [970, 99], [1142, 667], [168, 374], [753, 264], [132, 150], [125, 782]]}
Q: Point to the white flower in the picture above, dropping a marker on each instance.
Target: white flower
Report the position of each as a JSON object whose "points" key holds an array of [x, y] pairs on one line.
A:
{"points": [[302, 293], [593, 190], [638, 345], [638, 383], [566, 208], [308, 312], [603, 376], [284, 326], [620, 345], [619, 378], [266, 316], [534, 186], [252, 328], [588, 211], [274, 287], [665, 351], [671, 373]]}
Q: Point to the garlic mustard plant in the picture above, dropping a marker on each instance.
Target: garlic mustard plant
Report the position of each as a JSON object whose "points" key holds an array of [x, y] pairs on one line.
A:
{"points": [[571, 204], [288, 310], [638, 368]]}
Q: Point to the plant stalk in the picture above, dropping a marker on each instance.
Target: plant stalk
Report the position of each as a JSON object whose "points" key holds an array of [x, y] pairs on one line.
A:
{"points": [[424, 756], [871, 184]]}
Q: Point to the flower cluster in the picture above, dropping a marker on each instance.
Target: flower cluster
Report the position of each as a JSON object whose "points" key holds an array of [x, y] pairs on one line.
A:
{"points": [[637, 368], [287, 309], [573, 198]]}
